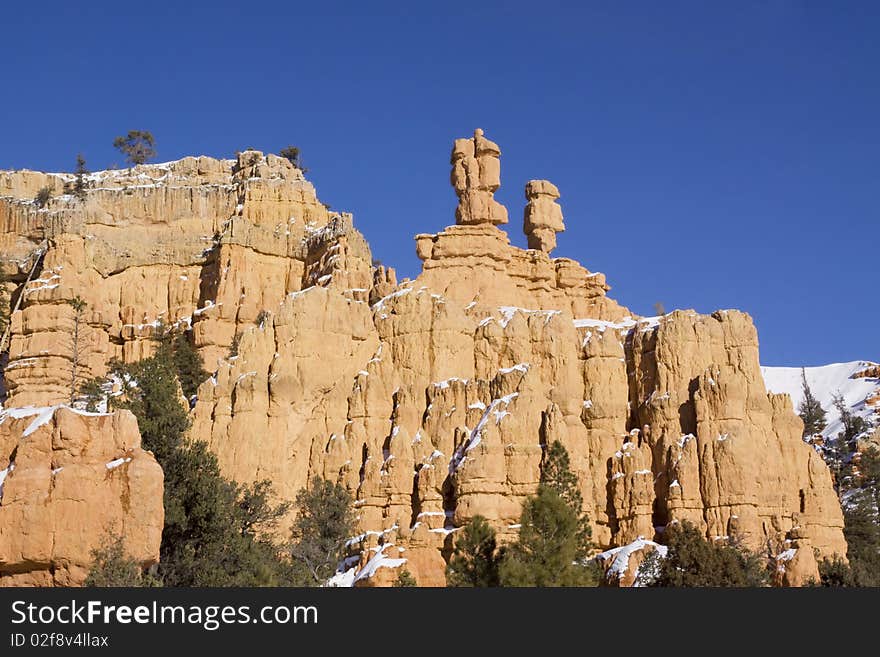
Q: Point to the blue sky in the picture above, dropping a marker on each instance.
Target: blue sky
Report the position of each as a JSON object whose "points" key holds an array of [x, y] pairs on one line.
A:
{"points": [[708, 156]]}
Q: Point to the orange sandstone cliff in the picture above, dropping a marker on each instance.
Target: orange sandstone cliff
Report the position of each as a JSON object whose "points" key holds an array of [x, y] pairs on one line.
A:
{"points": [[432, 400]]}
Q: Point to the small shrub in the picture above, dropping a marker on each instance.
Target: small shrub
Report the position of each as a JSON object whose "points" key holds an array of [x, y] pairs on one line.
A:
{"points": [[43, 197], [405, 579]]}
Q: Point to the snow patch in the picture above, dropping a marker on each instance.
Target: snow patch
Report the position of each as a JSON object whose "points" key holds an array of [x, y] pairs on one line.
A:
{"points": [[377, 561], [825, 382], [621, 555], [3, 474], [41, 414]]}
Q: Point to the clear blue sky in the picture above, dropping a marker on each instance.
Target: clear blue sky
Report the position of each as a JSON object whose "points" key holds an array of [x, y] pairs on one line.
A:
{"points": [[708, 156]]}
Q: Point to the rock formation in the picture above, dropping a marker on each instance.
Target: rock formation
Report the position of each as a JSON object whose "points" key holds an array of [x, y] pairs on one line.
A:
{"points": [[432, 400], [476, 176], [543, 216], [70, 481]]}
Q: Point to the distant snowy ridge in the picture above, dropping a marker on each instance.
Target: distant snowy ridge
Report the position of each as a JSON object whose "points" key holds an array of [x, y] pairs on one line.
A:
{"points": [[861, 394]]}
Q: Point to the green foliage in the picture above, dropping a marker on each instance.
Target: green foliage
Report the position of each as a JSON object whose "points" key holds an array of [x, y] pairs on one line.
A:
{"points": [[810, 410], [853, 425], [112, 567], [258, 514], [262, 317], [209, 539], [556, 473], [5, 309], [474, 561], [150, 390], [79, 306], [91, 392], [861, 514], [292, 153], [547, 550], [405, 579], [213, 533], [44, 195], [79, 183], [187, 363], [233, 346], [839, 452], [836, 573], [137, 146], [324, 521], [693, 561]]}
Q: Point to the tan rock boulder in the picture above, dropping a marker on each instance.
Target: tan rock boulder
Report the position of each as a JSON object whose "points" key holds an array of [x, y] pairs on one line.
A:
{"points": [[70, 480]]}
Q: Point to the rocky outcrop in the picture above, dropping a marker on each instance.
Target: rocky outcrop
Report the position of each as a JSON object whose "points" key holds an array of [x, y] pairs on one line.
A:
{"points": [[71, 480], [432, 400], [476, 176], [199, 242], [543, 216]]}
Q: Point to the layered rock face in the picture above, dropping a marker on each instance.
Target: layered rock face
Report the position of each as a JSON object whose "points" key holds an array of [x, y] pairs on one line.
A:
{"points": [[433, 400], [199, 241], [70, 482]]}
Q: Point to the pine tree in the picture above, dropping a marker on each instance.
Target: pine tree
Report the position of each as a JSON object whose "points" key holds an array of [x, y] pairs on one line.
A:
{"points": [[188, 364], [5, 310], [853, 425], [548, 547], [405, 579], [862, 521], [137, 146], [79, 184], [91, 393], [839, 451], [556, 473], [324, 521], [292, 154], [113, 567], [693, 561], [44, 195], [213, 533], [836, 572], [810, 410], [79, 307], [475, 560]]}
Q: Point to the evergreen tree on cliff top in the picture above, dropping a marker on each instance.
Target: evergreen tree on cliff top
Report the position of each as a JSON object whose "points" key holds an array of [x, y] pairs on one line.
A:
{"points": [[810, 410], [137, 146]]}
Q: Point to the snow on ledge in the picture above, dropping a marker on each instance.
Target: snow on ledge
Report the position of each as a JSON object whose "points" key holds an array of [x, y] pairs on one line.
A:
{"points": [[621, 555], [347, 578], [43, 415], [625, 324], [3, 475]]}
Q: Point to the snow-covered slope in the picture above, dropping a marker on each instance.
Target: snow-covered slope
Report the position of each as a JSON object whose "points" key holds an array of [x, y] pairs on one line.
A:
{"points": [[825, 382]]}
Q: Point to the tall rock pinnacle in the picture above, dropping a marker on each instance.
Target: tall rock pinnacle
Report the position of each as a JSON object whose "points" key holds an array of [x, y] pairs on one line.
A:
{"points": [[476, 175], [543, 216]]}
